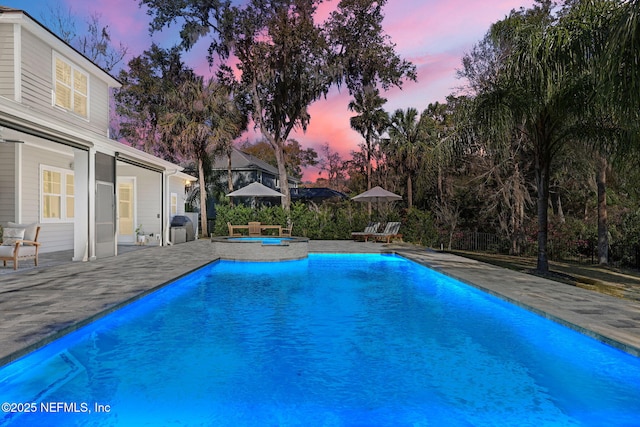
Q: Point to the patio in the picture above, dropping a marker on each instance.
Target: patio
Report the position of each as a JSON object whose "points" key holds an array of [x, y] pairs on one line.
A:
{"points": [[38, 305]]}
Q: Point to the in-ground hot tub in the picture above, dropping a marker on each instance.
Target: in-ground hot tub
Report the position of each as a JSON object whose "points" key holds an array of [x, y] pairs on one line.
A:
{"points": [[265, 248]]}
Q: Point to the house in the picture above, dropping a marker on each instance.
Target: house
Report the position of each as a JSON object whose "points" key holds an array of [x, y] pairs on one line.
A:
{"points": [[58, 166], [316, 195], [246, 169]]}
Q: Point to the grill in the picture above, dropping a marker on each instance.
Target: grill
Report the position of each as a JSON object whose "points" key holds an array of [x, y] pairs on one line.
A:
{"points": [[182, 229]]}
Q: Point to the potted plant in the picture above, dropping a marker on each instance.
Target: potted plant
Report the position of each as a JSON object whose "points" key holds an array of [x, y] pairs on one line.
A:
{"points": [[141, 239]]}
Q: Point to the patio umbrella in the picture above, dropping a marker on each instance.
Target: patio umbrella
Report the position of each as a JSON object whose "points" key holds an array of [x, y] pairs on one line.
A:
{"points": [[255, 190], [376, 195]]}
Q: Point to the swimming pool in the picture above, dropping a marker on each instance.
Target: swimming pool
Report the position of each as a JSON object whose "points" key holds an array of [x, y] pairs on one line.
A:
{"points": [[263, 240], [329, 340]]}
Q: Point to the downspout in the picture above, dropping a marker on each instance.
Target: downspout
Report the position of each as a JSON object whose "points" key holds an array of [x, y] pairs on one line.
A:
{"points": [[165, 197], [115, 205]]}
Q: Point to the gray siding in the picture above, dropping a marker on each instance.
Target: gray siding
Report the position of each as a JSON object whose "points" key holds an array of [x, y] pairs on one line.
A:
{"points": [[36, 73], [98, 106], [148, 196], [6, 61], [8, 183], [176, 185], [37, 87], [54, 236]]}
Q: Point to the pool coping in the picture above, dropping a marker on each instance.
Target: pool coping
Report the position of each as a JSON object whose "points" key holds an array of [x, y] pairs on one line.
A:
{"points": [[40, 305], [608, 319], [142, 276], [255, 248]]}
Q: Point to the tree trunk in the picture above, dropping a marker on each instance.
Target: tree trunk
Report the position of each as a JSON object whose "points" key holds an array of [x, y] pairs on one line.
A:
{"points": [[439, 190], [229, 173], [409, 192], [542, 183], [203, 199], [603, 228], [282, 173], [368, 156], [560, 210], [556, 203]]}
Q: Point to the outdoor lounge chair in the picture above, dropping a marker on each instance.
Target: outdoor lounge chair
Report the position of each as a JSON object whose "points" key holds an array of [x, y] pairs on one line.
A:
{"points": [[255, 229], [390, 232], [369, 230], [15, 245]]}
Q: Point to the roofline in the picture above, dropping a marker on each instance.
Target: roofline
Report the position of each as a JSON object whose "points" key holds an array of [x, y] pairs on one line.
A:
{"points": [[22, 119], [6, 10], [250, 159]]}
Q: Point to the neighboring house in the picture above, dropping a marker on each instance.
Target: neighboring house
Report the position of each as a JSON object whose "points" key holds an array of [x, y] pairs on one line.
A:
{"points": [[316, 195], [246, 169], [58, 166]]}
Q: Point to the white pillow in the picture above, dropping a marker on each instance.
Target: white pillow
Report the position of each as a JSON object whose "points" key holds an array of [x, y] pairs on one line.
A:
{"points": [[11, 235], [29, 230]]}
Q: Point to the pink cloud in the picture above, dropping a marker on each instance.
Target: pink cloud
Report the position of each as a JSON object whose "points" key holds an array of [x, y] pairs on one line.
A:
{"points": [[127, 22], [433, 34]]}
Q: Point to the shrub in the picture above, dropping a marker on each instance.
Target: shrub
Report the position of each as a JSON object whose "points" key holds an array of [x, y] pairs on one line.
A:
{"points": [[327, 221], [418, 227]]}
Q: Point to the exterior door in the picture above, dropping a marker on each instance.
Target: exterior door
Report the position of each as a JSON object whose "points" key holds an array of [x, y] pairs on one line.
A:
{"points": [[105, 221], [126, 210]]}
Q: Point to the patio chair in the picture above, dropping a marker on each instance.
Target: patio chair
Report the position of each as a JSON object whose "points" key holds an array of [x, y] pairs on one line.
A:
{"points": [[255, 229], [286, 231], [15, 245], [390, 232], [232, 232], [369, 230]]}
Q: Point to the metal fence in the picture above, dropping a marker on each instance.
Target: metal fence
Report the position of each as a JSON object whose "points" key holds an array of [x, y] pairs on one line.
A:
{"points": [[475, 241], [580, 252]]}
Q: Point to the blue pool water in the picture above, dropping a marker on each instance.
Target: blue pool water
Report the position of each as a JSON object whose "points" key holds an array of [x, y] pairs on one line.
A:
{"points": [[263, 240], [332, 340]]}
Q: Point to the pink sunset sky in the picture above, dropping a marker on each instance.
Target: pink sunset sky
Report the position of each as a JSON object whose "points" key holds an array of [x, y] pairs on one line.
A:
{"points": [[432, 34]]}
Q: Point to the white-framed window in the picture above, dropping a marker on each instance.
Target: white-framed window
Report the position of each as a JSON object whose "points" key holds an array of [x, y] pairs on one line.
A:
{"points": [[174, 204], [71, 87], [57, 198]]}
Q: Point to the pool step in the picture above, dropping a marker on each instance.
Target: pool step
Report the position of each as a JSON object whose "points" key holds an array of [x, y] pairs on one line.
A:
{"points": [[22, 384]]}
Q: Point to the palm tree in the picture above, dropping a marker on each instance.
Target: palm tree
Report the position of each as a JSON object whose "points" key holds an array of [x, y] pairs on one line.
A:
{"points": [[202, 118], [539, 92], [622, 58], [408, 133], [370, 122]]}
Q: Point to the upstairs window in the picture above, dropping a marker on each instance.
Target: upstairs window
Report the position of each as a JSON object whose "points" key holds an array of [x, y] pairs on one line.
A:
{"points": [[71, 90]]}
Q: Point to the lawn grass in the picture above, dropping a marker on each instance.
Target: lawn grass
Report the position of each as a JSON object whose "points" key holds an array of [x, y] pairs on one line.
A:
{"points": [[621, 283]]}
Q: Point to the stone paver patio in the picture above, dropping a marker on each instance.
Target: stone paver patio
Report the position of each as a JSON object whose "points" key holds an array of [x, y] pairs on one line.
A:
{"points": [[38, 305]]}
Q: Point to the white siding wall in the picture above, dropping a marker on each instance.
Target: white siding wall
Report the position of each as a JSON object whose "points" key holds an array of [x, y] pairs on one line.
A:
{"points": [[8, 183], [148, 196], [36, 74], [176, 185], [98, 106], [37, 87], [6, 61], [54, 236], [150, 201]]}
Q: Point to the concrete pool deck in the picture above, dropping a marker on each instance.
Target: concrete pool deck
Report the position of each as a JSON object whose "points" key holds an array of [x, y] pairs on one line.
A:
{"points": [[38, 305]]}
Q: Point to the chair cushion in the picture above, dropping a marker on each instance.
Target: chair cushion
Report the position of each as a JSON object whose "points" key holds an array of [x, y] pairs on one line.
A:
{"points": [[6, 251], [11, 235], [29, 230], [26, 251]]}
